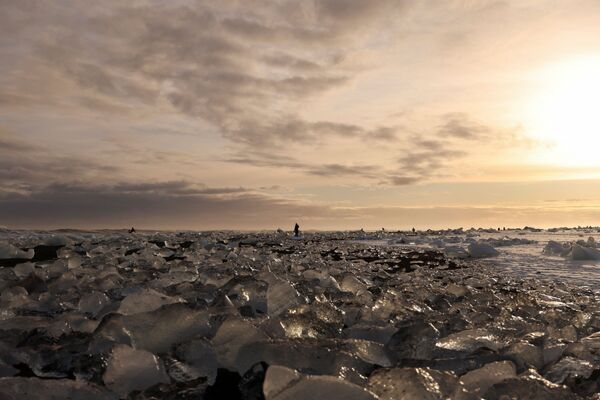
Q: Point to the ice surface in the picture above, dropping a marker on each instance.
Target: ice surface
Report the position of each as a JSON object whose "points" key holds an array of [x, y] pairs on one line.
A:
{"points": [[480, 380], [145, 300], [470, 340], [555, 249], [281, 296], [526, 355], [129, 369], [232, 335], [55, 389], [8, 251], [414, 383], [277, 379], [531, 386], [570, 368], [155, 331], [245, 315], [287, 384], [93, 303], [579, 253], [24, 269], [201, 357]]}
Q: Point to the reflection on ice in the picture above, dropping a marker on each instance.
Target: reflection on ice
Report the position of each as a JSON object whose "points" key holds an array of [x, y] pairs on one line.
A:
{"points": [[107, 315]]}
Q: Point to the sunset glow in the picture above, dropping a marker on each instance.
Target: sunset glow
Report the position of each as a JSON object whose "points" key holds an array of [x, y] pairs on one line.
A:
{"points": [[566, 112], [345, 114]]}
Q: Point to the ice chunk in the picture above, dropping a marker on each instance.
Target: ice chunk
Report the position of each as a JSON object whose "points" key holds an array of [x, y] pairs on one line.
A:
{"points": [[324, 279], [8, 251], [51, 389], [322, 357], [374, 333], [93, 303], [56, 240], [457, 290], [554, 248], [232, 335], [529, 385], [526, 355], [470, 340], [413, 340], [201, 357], [455, 252], [15, 296], [24, 269], [592, 342], [481, 250], [414, 383], [581, 253], [277, 379], [480, 380], [129, 369], [553, 352], [281, 296], [145, 300], [157, 330], [351, 284], [74, 262], [569, 368], [286, 384]]}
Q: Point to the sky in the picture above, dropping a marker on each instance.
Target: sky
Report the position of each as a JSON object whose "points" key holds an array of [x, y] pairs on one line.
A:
{"points": [[336, 114]]}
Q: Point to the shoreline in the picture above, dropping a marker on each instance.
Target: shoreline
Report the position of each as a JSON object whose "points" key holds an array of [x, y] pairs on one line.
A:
{"points": [[229, 315]]}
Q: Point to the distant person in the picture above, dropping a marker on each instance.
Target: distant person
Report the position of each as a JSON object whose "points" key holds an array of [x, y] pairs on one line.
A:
{"points": [[297, 230], [132, 230], [413, 230]]}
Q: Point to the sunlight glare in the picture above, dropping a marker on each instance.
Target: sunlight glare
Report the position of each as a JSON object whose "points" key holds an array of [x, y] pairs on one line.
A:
{"points": [[566, 112]]}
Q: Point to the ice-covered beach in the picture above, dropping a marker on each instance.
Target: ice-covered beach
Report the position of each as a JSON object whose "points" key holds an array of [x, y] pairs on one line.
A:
{"points": [[520, 252], [337, 315]]}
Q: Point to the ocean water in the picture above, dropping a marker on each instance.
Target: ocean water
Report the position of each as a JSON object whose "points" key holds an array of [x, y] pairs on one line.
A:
{"points": [[523, 260], [528, 260]]}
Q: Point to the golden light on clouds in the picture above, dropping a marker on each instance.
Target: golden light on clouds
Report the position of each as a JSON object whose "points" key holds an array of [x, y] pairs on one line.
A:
{"points": [[226, 114]]}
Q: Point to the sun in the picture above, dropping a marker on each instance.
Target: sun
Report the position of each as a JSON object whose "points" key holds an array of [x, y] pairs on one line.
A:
{"points": [[565, 113]]}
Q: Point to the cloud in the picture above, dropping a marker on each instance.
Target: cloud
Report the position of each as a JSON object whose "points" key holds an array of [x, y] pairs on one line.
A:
{"points": [[153, 207], [159, 205], [8, 143], [24, 164], [243, 58], [403, 180], [332, 170], [459, 125], [175, 188], [429, 155], [336, 170]]}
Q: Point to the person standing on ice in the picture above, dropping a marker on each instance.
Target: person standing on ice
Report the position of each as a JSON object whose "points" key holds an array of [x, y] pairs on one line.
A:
{"points": [[297, 230]]}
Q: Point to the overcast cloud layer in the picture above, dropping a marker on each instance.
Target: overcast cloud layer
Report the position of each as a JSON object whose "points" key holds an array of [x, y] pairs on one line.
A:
{"points": [[202, 114]]}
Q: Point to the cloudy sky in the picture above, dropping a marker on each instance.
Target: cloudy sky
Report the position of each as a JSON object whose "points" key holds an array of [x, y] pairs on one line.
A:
{"points": [[338, 114]]}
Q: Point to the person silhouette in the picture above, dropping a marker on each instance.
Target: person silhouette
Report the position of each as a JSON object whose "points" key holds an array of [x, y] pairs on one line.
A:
{"points": [[132, 230], [297, 230]]}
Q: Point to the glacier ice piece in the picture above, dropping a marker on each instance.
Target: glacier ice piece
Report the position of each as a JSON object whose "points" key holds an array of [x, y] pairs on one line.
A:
{"points": [[481, 250], [145, 300], [283, 383], [129, 369], [414, 383], [480, 380]]}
